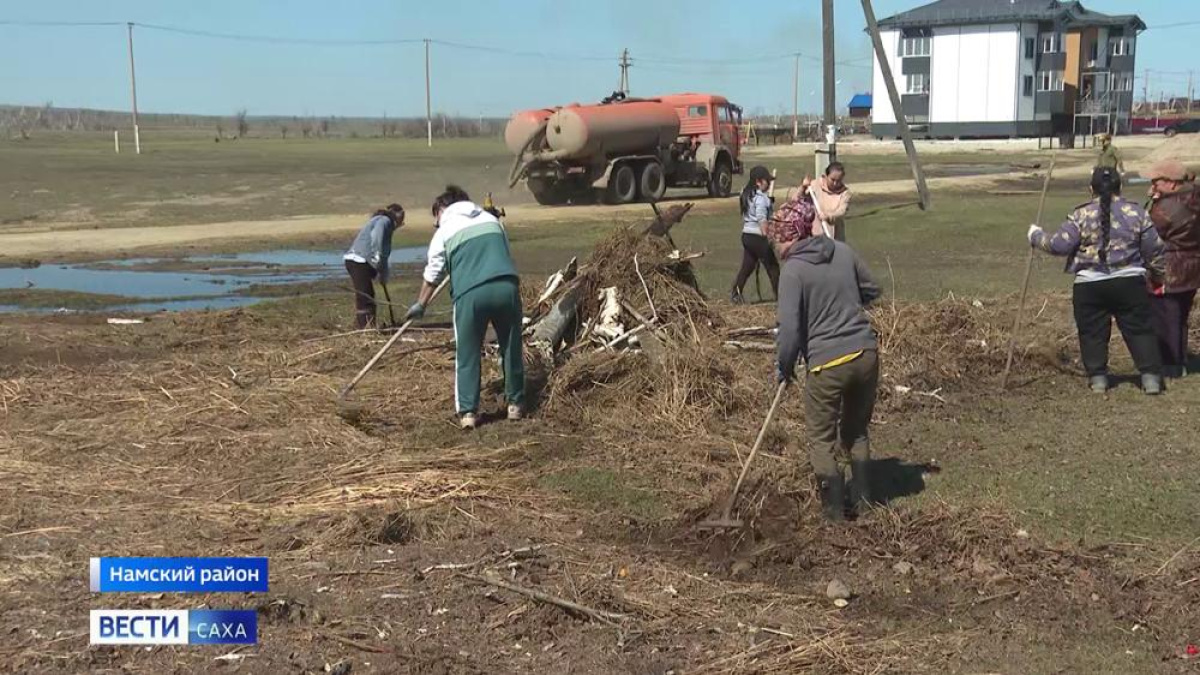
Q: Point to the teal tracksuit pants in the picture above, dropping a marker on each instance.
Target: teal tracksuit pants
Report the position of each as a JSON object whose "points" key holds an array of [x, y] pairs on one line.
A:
{"points": [[496, 302]]}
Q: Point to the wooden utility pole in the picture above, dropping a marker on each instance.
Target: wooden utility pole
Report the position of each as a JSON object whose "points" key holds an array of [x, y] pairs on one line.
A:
{"points": [[623, 86], [428, 102], [897, 107], [796, 103], [137, 138], [1191, 90], [828, 58]]}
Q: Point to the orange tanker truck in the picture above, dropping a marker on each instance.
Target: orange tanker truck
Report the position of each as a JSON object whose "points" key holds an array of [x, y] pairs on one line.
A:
{"points": [[625, 149]]}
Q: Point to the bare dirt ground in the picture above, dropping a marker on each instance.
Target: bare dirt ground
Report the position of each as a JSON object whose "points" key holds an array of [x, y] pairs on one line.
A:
{"points": [[569, 541]]}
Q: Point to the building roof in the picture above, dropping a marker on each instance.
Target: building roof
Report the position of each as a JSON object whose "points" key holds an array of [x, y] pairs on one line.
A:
{"points": [[964, 12], [861, 101]]}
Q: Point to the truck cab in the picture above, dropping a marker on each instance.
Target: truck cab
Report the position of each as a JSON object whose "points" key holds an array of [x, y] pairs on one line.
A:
{"points": [[710, 126]]}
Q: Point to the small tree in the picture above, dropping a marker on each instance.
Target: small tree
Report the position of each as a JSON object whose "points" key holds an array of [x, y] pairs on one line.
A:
{"points": [[243, 126], [283, 131]]}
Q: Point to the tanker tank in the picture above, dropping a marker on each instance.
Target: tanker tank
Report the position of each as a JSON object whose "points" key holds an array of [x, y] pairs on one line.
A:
{"points": [[581, 132], [522, 126]]}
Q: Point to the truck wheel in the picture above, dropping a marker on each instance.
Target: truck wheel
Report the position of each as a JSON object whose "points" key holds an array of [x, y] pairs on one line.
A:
{"points": [[622, 186], [720, 184], [547, 193], [653, 182]]}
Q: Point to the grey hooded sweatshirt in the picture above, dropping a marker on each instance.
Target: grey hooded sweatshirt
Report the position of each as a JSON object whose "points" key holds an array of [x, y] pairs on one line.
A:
{"points": [[823, 290], [373, 245]]}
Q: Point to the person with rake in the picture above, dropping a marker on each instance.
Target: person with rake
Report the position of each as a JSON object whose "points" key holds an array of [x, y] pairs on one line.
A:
{"points": [[1175, 211], [470, 245], [1111, 247], [367, 261], [824, 289]]}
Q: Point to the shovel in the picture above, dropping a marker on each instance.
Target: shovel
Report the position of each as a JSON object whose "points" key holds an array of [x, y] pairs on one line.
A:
{"points": [[1012, 340], [727, 520], [388, 296]]}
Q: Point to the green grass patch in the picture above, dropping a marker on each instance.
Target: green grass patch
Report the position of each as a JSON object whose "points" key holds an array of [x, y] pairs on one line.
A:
{"points": [[605, 490]]}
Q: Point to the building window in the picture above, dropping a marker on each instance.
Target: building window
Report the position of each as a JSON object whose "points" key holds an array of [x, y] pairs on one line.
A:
{"points": [[1050, 80], [1030, 47], [915, 46], [1028, 85], [1122, 82], [1051, 43], [916, 83], [1120, 47]]}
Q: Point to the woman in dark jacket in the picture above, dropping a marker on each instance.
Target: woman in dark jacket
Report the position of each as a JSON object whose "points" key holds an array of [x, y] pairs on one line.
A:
{"points": [[1111, 248], [367, 260], [1175, 212]]}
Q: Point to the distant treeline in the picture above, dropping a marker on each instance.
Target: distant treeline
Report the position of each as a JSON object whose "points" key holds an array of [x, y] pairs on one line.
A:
{"points": [[25, 121]]}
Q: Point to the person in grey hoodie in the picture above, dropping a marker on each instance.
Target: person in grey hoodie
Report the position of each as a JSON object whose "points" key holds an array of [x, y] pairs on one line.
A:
{"points": [[367, 260], [824, 289]]}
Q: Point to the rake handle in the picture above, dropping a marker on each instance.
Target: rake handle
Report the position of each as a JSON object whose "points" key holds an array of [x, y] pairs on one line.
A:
{"points": [[762, 433], [388, 345], [1012, 341]]}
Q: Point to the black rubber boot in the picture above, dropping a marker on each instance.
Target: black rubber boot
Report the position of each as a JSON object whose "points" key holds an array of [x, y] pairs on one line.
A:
{"points": [[860, 487], [735, 296], [833, 497]]}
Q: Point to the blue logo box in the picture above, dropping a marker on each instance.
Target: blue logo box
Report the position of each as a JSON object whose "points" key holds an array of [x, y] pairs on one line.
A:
{"points": [[174, 627], [179, 575]]}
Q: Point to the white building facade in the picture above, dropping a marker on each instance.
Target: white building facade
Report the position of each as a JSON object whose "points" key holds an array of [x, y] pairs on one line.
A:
{"points": [[1023, 68]]}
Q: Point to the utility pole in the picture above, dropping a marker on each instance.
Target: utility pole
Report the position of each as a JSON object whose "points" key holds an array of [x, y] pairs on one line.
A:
{"points": [[830, 77], [1191, 90], [796, 102], [137, 139], [428, 104], [901, 121], [624, 85], [1146, 90]]}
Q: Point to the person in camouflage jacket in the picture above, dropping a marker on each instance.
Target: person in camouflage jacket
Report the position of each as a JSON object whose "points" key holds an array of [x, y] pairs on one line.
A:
{"points": [[1111, 247]]}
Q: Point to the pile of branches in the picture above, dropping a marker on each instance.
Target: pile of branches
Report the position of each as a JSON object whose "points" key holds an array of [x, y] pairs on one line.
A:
{"points": [[630, 325]]}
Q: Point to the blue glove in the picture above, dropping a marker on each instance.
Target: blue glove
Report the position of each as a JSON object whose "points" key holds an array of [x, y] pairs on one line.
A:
{"points": [[415, 312]]}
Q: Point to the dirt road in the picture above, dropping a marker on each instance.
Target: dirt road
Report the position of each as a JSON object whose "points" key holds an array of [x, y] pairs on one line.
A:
{"points": [[66, 241]]}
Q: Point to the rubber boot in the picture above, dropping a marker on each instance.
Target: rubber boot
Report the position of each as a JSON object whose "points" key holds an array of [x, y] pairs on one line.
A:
{"points": [[833, 497], [1098, 384], [860, 487], [735, 296], [1152, 385]]}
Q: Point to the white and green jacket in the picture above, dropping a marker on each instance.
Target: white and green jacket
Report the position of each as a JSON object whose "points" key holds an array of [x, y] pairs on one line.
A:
{"points": [[471, 246]]}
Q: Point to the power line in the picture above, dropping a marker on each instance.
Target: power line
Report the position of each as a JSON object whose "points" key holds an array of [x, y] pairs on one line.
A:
{"points": [[1174, 25], [519, 53], [61, 23], [275, 40]]}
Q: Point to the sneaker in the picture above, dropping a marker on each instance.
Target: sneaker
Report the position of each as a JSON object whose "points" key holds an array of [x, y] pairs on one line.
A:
{"points": [[515, 412], [1099, 384], [468, 421], [1152, 385]]}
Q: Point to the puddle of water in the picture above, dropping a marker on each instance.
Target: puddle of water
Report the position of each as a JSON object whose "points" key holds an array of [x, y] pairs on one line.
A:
{"points": [[205, 282]]}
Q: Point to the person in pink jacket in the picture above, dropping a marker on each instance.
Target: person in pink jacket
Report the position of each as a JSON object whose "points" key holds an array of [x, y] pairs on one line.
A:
{"points": [[832, 199]]}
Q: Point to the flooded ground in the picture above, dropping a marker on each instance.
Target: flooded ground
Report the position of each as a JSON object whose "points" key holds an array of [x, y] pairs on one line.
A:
{"points": [[177, 284]]}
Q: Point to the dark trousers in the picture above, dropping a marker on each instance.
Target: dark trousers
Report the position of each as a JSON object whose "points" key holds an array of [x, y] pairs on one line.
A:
{"points": [[1171, 323], [756, 249], [362, 277], [838, 404], [1127, 300]]}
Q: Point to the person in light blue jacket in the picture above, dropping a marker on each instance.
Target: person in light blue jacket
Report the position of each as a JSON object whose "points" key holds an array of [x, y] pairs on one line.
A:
{"points": [[756, 210], [367, 260]]}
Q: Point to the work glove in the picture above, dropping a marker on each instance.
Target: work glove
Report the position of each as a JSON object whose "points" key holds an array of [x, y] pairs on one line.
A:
{"points": [[783, 374], [1035, 233], [415, 312]]}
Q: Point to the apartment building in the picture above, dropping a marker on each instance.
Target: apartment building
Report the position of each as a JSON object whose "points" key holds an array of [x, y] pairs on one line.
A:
{"points": [[1007, 68]]}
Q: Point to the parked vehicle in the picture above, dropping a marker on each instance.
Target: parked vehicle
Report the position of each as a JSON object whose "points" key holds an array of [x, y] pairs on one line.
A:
{"points": [[1191, 126], [625, 149]]}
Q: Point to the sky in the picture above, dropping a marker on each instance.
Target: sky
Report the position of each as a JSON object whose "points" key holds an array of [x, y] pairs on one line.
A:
{"points": [[488, 58]]}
